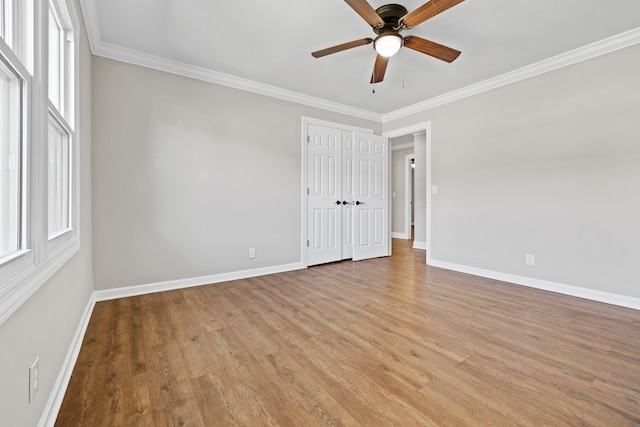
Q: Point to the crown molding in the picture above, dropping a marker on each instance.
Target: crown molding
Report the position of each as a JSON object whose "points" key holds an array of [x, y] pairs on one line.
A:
{"points": [[99, 48], [584, 53], [107, 50], [155, 62]]}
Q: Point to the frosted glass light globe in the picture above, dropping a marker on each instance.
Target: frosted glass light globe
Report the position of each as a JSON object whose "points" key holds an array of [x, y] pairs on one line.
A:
{"points": [[387, 44]]}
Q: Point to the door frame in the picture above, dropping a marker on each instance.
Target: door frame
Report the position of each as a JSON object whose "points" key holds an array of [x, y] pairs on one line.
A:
{"points": [[304, 181], [417, 128]]}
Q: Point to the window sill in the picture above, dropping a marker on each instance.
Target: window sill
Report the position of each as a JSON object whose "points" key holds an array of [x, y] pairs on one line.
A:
{"points": [[13, 256], [21, 287], [54, 236]]}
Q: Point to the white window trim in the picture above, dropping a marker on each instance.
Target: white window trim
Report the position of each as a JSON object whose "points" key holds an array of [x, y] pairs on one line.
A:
{"points": [[31, 268]]}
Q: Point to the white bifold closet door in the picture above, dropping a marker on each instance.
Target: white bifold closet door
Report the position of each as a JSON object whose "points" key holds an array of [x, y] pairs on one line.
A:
{"points": [[347, 195]]}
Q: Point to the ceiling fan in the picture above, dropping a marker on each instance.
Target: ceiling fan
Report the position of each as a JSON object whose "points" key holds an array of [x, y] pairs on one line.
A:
{"points": [[387, 22]]}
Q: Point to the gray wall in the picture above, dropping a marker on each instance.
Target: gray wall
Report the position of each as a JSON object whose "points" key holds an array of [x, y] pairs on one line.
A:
{"points": [[44, 325], [189, 175], [548, 166]]}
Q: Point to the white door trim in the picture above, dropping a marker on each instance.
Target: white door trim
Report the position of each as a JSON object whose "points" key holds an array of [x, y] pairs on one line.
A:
{"points": [[303, 169], [420, 127]]}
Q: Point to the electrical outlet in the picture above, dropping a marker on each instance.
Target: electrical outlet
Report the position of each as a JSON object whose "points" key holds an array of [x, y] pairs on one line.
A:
{"points": [[252, 253], [530, 259], [34, 379]]}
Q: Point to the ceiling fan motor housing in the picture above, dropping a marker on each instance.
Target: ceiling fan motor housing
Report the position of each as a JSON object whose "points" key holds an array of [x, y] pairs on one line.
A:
{"points": [[390, 14]]}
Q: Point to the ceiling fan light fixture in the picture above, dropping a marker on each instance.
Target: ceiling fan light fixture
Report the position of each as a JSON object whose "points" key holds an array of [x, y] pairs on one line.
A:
{"points": [[387, 44], [387, 22]]}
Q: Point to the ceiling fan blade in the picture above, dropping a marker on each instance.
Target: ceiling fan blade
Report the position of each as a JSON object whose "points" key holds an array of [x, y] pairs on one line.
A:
{"points": [[367, 12], [426, 11], [431, 48], [341, 47], [379, 68]]}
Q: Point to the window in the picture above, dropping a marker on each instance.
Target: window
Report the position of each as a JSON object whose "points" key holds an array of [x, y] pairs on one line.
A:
{"points": [[5, 21], [10, 155], [38, 145], [56, 57], [60, 134], [59, 180], [16, 28], [2, 18]]}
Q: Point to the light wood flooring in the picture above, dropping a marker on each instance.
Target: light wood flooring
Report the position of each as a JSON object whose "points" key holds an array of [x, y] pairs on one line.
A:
{"points": [[387, 341]]}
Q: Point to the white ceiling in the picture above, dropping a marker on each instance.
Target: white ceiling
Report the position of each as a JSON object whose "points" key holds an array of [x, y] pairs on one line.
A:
{"points": [[253, 43]]}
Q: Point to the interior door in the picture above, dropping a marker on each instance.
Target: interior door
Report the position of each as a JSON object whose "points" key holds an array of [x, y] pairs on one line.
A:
{"points": [[324, 199], [371, 196]]}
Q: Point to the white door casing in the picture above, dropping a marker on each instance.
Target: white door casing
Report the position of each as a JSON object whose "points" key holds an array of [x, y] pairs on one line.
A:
{"points": [[413, 129], [371, 196]]}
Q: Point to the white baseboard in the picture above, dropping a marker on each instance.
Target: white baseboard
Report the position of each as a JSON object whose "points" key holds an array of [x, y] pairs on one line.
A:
{"points": [[419, 245], [171, 285], [399, 236], [50, 413], [590, 294]]}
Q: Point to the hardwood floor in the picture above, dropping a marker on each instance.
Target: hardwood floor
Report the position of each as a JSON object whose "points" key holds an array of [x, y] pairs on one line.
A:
{"points": [[381, 342]]}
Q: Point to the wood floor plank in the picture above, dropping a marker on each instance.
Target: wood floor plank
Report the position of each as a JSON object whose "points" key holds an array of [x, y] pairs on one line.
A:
{"points": [[388, 341]]}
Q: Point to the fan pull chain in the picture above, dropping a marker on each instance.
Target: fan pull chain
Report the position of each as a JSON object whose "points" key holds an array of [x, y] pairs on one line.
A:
{"points": [[403, 68]]}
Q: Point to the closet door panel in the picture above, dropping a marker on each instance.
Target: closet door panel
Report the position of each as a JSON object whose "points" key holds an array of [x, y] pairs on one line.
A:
{"points": [[371, 196], [324, 201]]}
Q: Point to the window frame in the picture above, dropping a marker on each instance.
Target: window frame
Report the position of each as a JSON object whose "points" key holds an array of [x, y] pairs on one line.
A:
{"points": [[22, 258], [64, 116], [26, 270], [6, 21], [19, 133]]}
